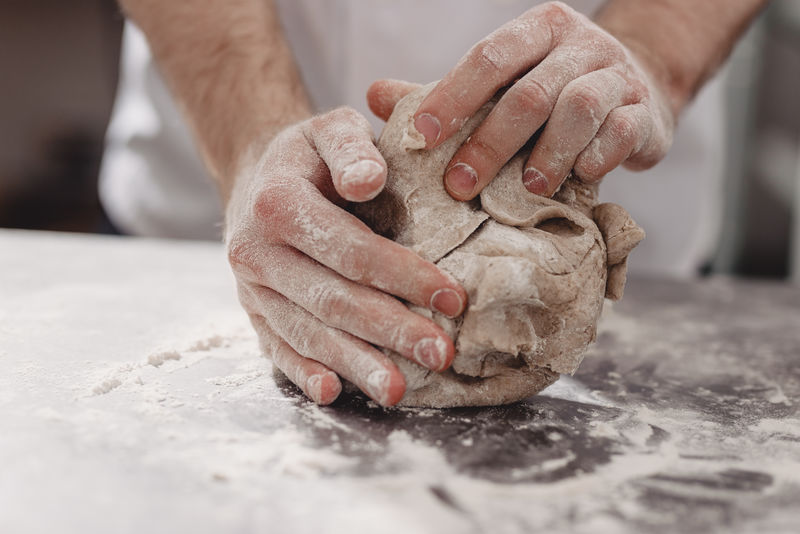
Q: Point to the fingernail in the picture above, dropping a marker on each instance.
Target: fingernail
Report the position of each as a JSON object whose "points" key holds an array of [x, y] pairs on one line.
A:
{"points": [[447, 301], [314, 388], [534, 181], [361, 172], [431, 352], [461, 179], [378, 385], [429, 127]]}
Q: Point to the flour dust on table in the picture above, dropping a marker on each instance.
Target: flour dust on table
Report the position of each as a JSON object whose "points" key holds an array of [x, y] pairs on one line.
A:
{"points": [[133, 399]]}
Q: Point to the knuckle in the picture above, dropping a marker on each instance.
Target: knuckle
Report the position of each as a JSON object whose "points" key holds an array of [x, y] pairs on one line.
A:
{"points": [[331, 121], [240, 251], [592, 178], [266, 203], [531, 96], [271, 204], [607, 47], [290, 134], [557, 17], [328, 302], [452, 105], [268, 342], [646, 159], [277, 352], [347, 114], [487, 57], [640, 92], [297, 333], [590, 168], [478, 148], [303, 335], [353, 262], [558, 13], [623, 129], [319, 122], [584, 101], [650, 153], [636, 86], [347, 150]]}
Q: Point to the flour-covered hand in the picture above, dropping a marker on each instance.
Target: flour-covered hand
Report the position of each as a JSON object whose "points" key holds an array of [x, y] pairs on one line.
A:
{"points": [[316, 282], [595, 101]]}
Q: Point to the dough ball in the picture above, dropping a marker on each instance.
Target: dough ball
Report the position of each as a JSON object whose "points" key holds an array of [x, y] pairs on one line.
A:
{"points": [[535, 268]]}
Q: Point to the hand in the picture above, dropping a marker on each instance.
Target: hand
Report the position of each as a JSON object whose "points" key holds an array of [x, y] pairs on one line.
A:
{"points": [[315, 281], [599, 105]]}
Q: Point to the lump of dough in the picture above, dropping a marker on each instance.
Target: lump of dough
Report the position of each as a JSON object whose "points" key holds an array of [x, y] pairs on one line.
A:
{"points": [[536, 269]]}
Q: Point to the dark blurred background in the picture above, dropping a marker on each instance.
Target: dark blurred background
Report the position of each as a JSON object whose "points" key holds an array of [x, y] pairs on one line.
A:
{"points": [[58, 73]]}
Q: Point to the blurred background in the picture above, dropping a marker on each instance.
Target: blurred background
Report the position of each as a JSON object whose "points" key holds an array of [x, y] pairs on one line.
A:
{"points": [[58, 74]]}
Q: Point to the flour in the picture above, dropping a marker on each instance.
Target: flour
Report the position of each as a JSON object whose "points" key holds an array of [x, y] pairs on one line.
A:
{"points": [[378, 383], [212, 342], [106, 385], [158, 359]]}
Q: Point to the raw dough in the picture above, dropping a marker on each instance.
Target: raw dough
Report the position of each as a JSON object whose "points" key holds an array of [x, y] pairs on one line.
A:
{"points": [[536, 269]]}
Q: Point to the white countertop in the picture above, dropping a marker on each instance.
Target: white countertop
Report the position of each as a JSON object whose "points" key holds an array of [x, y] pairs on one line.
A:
{"points": [[133, 399]]}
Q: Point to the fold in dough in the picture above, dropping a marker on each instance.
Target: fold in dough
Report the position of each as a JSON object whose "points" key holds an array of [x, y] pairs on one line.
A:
{"points": [[535, 268]]}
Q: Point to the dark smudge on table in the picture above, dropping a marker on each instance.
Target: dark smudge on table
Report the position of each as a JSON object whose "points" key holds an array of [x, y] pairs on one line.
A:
{"points": [[681, 369]]}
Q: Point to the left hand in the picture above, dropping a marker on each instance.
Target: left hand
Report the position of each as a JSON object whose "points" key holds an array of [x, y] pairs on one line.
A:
{"points": [[316, 282], [601, 105]]}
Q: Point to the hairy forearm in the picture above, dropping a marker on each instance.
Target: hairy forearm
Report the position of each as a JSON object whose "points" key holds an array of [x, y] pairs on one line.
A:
{"points": [[682, 42], [230, 70]]}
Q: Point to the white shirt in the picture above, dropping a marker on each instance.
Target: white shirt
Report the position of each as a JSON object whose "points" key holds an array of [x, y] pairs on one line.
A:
{"points": [[153, 182]]}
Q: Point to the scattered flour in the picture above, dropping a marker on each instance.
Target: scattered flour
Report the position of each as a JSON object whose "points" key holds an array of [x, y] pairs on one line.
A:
{"points": [[158, 359], [105, 386]]}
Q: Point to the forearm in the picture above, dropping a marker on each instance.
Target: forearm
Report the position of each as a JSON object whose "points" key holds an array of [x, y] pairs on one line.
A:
{"points": [[230, 70], [682, 42]]}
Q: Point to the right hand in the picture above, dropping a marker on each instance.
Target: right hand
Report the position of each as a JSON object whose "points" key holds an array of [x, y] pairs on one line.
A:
{"points": [[317, 282]]}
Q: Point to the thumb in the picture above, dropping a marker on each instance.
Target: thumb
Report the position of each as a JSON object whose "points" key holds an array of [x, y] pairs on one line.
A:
{"points": [[383, 95]]}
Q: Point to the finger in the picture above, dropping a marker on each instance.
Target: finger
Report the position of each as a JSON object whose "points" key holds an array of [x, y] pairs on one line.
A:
{"points": [[301, 217], [580, 111], [492, 63], [519, 113], [362, 311], [318, 382], [655, 142], [383, 96], [366, 367], [624, 131], [344, 140]]}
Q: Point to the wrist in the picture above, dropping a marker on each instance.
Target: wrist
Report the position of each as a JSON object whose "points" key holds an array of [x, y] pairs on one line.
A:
{"points": [[680, 42], [664, 79], [664, 49], [251, 139], [230, 70]]}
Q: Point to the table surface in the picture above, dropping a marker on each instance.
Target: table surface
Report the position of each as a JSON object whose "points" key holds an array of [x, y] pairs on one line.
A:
{"points": [[133, 399]]}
